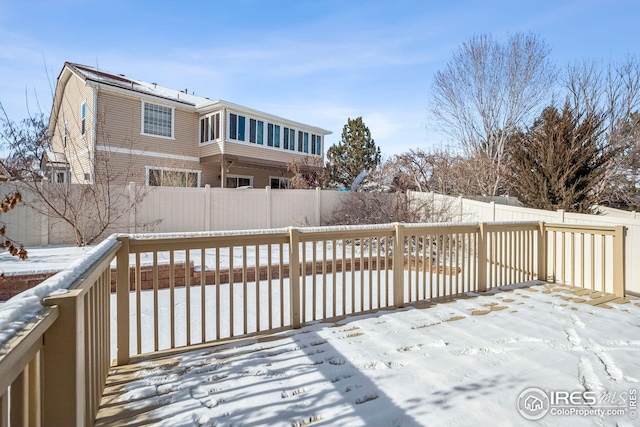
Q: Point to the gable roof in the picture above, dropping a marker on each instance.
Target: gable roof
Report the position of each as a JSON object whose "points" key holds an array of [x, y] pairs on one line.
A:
{"points": [[93, 74], [120, 82]]}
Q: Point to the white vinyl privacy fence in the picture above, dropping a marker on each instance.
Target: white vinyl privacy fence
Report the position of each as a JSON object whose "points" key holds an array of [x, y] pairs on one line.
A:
{"points": [[476, 211], [170, 209]]}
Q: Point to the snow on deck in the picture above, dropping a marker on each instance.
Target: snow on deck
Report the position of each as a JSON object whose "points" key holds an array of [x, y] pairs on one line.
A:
{"points": [[461, 363]]}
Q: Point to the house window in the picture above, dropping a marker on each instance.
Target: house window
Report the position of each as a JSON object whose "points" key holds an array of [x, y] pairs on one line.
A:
{"points": [[83, 117], [306, 142], [64, 136], [300, 140], [285, 142], [276, 136], [260, 132], [204, 129], [241, 128], [210, 128], [270, 135], [87, 177], [292, 139], [253, 126], [316, 144], [233, 126], [157, 120], [236, 127], [236, 181], [279, 182], [59, 177], [167, 177], [256, 131]]}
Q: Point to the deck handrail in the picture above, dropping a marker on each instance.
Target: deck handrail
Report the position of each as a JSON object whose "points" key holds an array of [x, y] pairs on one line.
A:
{"points": [[53, 371]]}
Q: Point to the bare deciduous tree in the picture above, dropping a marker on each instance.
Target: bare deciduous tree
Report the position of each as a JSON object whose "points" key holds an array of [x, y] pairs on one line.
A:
{"points": [[613, 91], [90, 209], [308, 173], [488, 91], [439, 170]]}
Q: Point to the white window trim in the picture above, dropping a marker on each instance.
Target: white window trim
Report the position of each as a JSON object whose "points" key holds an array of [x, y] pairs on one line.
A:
{"points": [[249, 177], [147, 170], [82, 134], [265, 144], [173, 120], [211, 141], [281, 178], [65, 133]]}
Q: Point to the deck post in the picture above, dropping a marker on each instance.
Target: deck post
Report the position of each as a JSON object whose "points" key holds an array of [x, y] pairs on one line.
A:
{"points": [[122, 301], [294, 276], [542, 251], [398, 266], [619, 261], [64, 363], [482, 257]]}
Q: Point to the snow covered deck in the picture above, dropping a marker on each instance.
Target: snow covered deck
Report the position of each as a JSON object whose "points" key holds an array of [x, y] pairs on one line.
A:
{"points": [[461, 362], [60, 340]]}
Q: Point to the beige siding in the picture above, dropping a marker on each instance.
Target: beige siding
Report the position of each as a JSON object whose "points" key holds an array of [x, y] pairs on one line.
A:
{"points": [[211, 149], [121, 119], [246, 149], [132, 167], [260, 175], [119, 129], [78, 146]]}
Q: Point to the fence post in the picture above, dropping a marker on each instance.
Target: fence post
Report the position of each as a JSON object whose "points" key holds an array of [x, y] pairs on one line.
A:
{"points": [[398, 266], [64, 363], [318, 206], [619, 261], [207, 207], [482, 257], [294, 276], [122, 301], [267, 189], [561, 215], [542, 251], [133, 205]]}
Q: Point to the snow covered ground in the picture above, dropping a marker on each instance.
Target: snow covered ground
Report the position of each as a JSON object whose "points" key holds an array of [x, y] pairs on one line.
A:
{"points": [[462, 363], [42, 259]]}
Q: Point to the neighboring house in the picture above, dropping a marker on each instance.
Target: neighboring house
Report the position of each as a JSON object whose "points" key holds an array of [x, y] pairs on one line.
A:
{"points": [[110, 126]]}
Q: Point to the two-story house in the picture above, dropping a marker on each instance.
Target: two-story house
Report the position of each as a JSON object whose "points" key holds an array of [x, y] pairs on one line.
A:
{"points": [[105, 124]]}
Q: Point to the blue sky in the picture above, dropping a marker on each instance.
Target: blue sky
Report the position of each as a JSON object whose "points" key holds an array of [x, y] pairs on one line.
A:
{"points": [[317, 62]]}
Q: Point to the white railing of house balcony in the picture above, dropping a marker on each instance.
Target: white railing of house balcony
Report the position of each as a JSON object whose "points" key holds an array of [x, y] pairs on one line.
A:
{"points": [[175, 292]]}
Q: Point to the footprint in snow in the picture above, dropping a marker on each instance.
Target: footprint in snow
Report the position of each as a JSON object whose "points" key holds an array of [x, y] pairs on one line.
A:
{"points": [[587, 376], [576, 321], [572, 336]]}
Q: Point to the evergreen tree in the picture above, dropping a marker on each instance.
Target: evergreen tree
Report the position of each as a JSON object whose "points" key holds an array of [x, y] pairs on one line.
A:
{"points": [[356, 152], [557, 163]]}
